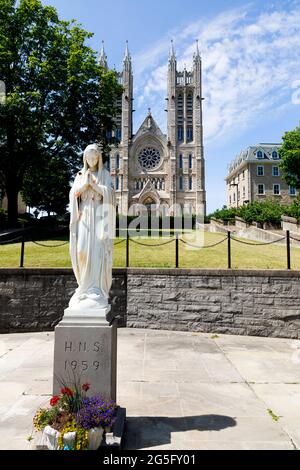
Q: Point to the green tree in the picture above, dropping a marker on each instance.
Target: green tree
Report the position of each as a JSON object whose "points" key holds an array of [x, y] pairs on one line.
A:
{"points": [[47, 187], [290, 154], [58, 98]]}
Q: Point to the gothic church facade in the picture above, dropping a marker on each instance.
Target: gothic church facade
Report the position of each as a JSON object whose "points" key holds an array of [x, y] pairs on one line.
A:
{"points": [[156, 170]]}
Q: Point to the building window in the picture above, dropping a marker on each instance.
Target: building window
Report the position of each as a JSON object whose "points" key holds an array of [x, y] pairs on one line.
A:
{"points": [[117, 161], [191, 184], [118, 135], [107, 164], [275, 155], [261, 189], [149, 158], [180, 133], [292, 191], [230, 200], [260, 171], [190, 161], [117, 183], [180, 162], [181, 183], [233, 197], [189, 134], [244, 192], [239, 195], [276, 189], [259, 155], [275, 171]]}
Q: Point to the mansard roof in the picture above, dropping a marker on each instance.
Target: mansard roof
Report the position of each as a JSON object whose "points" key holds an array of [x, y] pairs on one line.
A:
{"points": [[250, 155]]}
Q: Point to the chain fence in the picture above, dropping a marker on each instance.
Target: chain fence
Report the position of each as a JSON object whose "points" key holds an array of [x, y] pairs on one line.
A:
{"points": [[26, 238]]}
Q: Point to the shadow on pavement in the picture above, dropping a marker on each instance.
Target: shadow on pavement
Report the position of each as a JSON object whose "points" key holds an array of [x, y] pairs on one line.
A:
{"points": [[144, 432]]}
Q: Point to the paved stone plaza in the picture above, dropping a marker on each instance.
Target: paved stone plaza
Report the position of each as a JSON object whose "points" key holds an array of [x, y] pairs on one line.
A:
{"points": [[181, 390]]}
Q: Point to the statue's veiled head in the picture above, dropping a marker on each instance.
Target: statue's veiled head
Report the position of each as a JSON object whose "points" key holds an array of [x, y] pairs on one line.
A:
{"points": [[92, 158]]}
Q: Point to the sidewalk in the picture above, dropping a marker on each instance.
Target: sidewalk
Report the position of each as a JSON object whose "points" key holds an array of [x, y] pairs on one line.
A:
{"points": [[181, 390]]}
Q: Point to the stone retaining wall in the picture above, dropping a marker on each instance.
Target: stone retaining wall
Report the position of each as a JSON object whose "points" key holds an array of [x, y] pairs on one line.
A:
{"points": [[260, 303], [35, 299]]}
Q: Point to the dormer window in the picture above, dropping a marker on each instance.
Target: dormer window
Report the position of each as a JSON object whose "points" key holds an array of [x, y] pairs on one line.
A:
{"points": [[259, 155], [275, 155]]}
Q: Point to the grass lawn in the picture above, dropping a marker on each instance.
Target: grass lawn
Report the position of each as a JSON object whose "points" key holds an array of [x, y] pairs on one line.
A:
{"points": [[243, 256]]}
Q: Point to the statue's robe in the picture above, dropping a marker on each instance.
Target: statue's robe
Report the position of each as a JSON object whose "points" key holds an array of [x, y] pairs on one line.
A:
{"points": [[92, 231]]}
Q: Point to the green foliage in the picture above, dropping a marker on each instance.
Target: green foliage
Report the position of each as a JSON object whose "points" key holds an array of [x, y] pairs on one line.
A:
{"points": [[294, 209], [44, 417], [268, 211], [290, 154], [227, 215], [58, 98], [47, 187]]}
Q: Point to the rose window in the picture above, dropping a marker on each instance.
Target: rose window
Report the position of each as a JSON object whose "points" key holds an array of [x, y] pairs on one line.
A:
{"points": [[149, 158]]}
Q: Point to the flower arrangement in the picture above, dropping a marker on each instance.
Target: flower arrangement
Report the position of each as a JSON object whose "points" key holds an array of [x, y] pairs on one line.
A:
{"points": [[74, 421]]}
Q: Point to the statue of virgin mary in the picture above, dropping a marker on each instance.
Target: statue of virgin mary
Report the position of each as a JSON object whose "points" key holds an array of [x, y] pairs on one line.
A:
{"points": [[92, 231]]}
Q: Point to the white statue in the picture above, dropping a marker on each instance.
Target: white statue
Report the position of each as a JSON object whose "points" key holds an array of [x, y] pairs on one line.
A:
{"points": [[92, 231]]}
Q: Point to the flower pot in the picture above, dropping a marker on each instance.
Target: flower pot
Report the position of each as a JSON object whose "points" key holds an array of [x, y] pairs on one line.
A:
{"points": [[95, 438], [50, 438]]}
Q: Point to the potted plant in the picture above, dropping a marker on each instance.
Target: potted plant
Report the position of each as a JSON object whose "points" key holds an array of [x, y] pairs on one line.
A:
{"points": [[75, 421]]}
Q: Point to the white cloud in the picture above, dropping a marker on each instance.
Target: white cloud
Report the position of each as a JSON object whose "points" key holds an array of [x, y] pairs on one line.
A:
{"points": [[249, 66]]}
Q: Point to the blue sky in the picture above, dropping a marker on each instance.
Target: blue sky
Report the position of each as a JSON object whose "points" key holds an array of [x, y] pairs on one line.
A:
{"points": [[251, 65]]}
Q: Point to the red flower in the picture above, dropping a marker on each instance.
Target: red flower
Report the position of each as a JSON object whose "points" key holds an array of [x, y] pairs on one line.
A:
{"points": [[54, 401], [67, 391], [86, 387]]}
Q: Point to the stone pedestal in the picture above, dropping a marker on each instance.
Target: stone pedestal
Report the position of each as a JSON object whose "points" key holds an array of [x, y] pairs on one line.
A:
{"points": [[85, 351]]}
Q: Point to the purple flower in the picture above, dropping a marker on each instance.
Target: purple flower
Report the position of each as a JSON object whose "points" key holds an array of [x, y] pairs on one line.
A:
{"points": [[96, 412]]}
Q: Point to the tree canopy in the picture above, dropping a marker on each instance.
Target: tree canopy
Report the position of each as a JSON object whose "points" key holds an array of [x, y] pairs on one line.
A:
{"points": [[290, 154], [58, 100]]}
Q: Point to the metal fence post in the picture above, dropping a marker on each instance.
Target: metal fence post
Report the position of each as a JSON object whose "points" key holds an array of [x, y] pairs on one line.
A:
{"points": [[22, 249], [288, 249], [229, 249], [177, 250], [127, 248]]}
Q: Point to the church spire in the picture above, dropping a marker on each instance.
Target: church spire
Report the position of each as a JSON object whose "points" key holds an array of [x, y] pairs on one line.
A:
{"points": [[197, 55], [172, 56], [103, 57], [127, 58]]}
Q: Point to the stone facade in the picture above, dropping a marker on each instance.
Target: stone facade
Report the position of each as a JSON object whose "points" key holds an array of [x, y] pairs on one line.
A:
{"points": [[258, 303], [153, 169], [255, 175]]}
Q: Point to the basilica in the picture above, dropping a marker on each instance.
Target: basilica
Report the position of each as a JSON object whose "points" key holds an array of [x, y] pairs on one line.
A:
{"points": [[150, 168]]}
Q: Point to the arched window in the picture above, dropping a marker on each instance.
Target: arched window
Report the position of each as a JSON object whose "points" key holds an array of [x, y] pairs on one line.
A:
{"points": [[259, 154], [275, 155], [191, 184], [190, 161], [117, 161], [117, 183]]}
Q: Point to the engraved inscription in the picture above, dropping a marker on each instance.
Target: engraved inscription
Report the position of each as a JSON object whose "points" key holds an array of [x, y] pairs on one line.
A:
{"points": [[82, 346]]}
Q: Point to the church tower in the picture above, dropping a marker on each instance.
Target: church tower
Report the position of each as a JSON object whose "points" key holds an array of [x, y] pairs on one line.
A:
{"points": [[151, 168], [119, 159], [185, 136]]}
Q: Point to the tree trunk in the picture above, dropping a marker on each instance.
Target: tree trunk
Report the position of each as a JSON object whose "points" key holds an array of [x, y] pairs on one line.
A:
{"points": [[12, 196]]}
